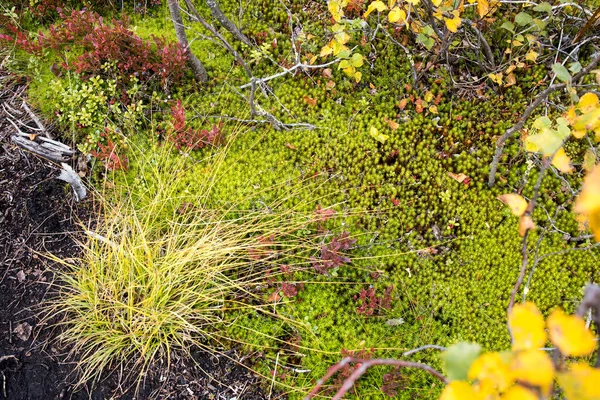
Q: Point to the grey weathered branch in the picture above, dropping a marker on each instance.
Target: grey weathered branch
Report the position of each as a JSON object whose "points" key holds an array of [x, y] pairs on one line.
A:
{"points": [[46, 150], [528, 111], [362, 367], [216, 33], [195, 64], [225, 22]]}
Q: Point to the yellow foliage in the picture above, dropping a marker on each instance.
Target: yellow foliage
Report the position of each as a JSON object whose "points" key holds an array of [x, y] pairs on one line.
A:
{"points": [[588, 202], [580, 382], [375, 5], [458, 390], [518, 392], [493, 369], [397, 14], [515, 202], [453, 23], [569, 334], [534, 367], [562, 161], [527, 327]]}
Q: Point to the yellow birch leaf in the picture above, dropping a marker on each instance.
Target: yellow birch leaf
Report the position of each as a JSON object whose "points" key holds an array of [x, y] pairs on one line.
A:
{"points": [[527, 327], [518, 392], [335, 8], [413, 2], [515, 202], [326, 50], [589, 160], [375, 5], [458, 390], [493, 369], [454, 23], [392, 124], [531, 56], [483, 8], [433, 109], [496, 78], [357, 76], [569, 334], [397, 14], [436, 2], [342, 37], [580, 382], [562, 161], [428, 96], [588, 102], [535, 368], [510, 80], [380, 137], [588, 201], [525, 224]]}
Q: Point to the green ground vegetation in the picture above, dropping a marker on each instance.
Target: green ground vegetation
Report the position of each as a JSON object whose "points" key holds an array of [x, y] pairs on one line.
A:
{"points": [[439, 256]]}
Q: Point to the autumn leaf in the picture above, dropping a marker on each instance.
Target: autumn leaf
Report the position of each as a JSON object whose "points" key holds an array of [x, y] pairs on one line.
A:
{"points": [[569, 334], [458, 390], [397, 14], [518, 392], [310, 101], [493, 369], [588, 202], [380, 137], [454, 23], [531, 56], [375, 5], [402, 103], [527, 327], [589, 160], [515, 202], [510, 80], [534, 367], [496, 78], [357, 76], [336, 10], [483, 8], [392, 124], [562, 161], [342, 37], [458, 177], [525, 224], [580, 382]]}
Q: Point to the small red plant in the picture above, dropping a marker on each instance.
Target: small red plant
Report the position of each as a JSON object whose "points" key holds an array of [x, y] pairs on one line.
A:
{"points": [[331, 254], [370, 303], [109, 154], [105, 44], [185, 137]]}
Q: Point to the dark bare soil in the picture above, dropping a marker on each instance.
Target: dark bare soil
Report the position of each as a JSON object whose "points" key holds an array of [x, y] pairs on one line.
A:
{"points": [[38, 215]]}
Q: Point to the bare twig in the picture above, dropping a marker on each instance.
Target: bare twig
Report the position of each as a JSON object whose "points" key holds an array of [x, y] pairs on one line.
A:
{"points": [[524, 254], [362, 367]]}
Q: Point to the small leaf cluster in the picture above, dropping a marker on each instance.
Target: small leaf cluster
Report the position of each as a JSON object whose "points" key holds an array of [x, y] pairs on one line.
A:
{"points": [[526, 372]]}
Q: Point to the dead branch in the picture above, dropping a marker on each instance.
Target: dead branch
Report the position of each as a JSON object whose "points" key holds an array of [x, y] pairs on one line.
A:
{"points": [[524, 254], [195, 64], [37, 121], [362, 367], [226, 23], [289, 71]]}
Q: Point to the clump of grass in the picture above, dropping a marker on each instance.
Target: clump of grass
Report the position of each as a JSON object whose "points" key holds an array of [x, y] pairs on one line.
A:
{"points": [[162, 268]]}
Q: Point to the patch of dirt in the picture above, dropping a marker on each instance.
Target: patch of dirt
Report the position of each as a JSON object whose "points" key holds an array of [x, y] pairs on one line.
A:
{"points": [[38, 215]]}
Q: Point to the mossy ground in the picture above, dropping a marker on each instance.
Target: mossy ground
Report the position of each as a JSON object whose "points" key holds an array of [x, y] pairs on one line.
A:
{"points": [[450, 249]]}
